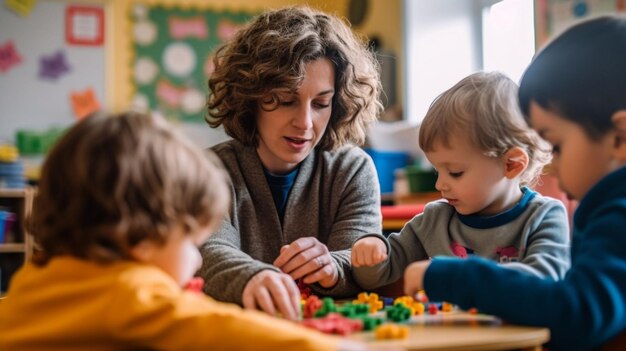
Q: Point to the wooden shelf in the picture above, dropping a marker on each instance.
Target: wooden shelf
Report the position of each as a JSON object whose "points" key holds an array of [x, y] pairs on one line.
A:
{"points": [[16, 193], [12, 247], [19, 247], [417, 198]]}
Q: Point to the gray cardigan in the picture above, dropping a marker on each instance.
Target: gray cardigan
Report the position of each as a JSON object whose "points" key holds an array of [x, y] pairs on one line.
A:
{"points": [[335, 197], [536, 241]]}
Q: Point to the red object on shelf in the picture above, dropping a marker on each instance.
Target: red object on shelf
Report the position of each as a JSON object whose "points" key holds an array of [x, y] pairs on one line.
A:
{"points": [[406, 211]]}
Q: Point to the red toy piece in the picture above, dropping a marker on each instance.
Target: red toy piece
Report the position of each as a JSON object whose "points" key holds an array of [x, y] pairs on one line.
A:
{"points": [[334, 323], [305, 289], [311, 305], [432, 308], [195, 284]]}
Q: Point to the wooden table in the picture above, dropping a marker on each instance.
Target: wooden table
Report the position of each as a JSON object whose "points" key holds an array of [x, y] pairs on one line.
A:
{"points": [[462, 331]]}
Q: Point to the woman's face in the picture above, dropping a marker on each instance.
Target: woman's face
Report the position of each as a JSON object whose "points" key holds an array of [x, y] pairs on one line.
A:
{"points": [[288, 134]]}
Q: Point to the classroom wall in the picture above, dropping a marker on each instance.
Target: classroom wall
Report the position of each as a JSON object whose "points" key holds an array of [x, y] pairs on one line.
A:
{"points": [[28, 100], [384, 19], [106, 68], [121, 95]]}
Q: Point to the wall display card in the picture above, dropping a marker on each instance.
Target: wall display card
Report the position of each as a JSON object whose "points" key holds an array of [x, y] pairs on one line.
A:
{"points": [[54, 66], [21, 7], [9, 57], [84, 103], [172, 56], [84, 25]]}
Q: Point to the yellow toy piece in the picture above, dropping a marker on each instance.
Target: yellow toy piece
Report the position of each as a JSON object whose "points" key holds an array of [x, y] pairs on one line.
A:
{"points": [[391, 331], [8, 153], [419, 308], [372, 299]]}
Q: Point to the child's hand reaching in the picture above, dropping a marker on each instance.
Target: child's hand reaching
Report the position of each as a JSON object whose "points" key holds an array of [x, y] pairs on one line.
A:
{"points": [[414, 277], [368, 252]]}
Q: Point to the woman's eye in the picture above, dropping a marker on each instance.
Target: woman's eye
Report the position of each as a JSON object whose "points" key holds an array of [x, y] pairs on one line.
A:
{"points": [[286, 102], [455, 174], [556, 149], [321, 104]]}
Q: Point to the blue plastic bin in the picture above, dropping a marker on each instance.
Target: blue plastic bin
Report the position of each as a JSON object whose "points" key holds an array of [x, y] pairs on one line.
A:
{"points": [[386, 163]]}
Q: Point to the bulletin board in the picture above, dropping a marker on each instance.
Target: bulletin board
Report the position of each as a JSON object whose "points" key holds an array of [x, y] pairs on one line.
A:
{"points": [[44, 81], [172, 56], [554, 16]]}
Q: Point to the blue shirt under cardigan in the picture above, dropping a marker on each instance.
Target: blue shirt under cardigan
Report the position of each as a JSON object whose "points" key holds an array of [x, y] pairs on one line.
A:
{"points": [[280, 185], [583, 311]]}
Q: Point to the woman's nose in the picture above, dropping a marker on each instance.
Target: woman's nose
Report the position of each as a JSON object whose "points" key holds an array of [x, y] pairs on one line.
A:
{"points": [[303, 119]]}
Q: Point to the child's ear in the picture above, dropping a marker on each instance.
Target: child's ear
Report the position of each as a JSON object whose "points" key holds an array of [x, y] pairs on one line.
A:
{"points": [[143, 251], [515, 162], [619, 122]]}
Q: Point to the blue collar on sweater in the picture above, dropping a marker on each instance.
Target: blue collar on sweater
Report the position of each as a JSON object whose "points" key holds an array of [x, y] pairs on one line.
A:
{"points": [[484, 222]]}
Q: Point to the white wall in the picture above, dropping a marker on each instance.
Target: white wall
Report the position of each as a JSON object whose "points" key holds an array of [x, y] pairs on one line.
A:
{"points": [[442, 45]]}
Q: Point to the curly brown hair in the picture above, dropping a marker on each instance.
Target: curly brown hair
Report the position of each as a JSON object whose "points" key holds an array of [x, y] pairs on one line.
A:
{"points": [[113, 181], [269, 56]]}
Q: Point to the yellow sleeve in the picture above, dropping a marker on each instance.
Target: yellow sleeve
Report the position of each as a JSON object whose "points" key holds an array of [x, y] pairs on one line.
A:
{"points": [[162, 316]]}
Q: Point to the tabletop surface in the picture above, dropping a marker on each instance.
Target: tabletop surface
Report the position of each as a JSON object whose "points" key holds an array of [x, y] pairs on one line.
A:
{"points": [[462, 331]]}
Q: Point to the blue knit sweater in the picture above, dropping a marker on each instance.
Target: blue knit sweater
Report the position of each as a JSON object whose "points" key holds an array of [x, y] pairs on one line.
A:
{"points": [[585, 309]]}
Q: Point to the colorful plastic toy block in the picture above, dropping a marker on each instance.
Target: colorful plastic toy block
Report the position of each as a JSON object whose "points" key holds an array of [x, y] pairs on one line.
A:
{"points": [[398, 312], [311, 305], [334, 323], [328, 306], [195, 284], [392, 331]]}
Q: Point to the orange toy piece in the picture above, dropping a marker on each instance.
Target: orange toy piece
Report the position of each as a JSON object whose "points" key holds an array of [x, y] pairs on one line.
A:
{"points": [[392, 331]]}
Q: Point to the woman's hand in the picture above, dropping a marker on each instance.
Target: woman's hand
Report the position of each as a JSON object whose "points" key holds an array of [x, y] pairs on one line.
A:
{"points": [[368, 251], [309, 259], [414, 277], [273, 292]]}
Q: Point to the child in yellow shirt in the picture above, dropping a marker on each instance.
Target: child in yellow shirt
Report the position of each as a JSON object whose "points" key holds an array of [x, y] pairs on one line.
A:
{"points": [[123, 204]]}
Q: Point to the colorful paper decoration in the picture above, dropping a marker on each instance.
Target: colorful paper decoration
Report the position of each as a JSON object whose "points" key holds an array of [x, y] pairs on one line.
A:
{"points": [[9, 56], [226, 29], [52, 67], [179, 59], [21, 7], [169, 94], [84, 103], [181, 28], [84, 25]]}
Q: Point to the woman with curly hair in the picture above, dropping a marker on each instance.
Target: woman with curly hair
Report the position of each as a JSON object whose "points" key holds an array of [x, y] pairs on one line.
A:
{"points": [[296, 90]]}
